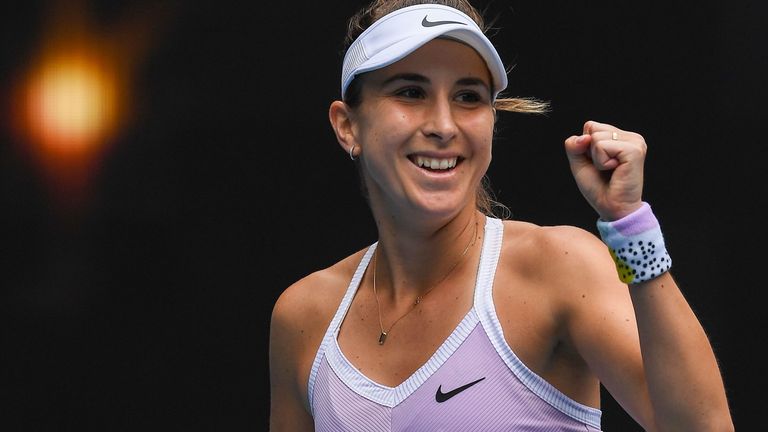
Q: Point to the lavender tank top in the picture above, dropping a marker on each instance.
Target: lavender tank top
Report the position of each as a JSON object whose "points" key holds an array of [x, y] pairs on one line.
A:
{"points": [[473, 382]]}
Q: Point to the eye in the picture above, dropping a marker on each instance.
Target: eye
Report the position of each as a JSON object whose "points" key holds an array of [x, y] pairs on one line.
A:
{"points": [[469, 97], [410, 93]]}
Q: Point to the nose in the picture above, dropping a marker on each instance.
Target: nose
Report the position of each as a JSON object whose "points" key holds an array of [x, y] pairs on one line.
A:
{"points": [[440, 123]]}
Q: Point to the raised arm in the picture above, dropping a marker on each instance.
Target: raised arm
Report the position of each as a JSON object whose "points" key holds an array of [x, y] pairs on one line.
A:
{"points": [[681, 377]]}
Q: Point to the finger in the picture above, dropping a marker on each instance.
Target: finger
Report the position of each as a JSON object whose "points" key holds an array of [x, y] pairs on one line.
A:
{"points": [[609, 154], [591, 127], [577, 150], [615, 134], [577, 145], [608, 135], [604, 157]]}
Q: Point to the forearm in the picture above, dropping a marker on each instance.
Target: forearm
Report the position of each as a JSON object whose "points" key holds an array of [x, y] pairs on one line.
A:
{"points": [[684, 381]]}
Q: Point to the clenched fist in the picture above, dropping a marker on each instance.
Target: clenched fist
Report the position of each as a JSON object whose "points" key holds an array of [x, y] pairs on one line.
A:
{"points": [[607, 164]]}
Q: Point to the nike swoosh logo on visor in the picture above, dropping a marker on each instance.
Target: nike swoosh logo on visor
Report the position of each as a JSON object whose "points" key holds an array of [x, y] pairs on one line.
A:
{"points": [[427, 23], [441, 397]]}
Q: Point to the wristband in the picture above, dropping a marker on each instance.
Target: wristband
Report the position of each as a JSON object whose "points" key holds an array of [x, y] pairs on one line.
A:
{"points": [[636, 245]]}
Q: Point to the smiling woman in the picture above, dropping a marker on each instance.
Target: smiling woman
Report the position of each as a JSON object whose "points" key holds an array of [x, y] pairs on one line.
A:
{"points": [[379, 47], [439, 95], [456, 319]]}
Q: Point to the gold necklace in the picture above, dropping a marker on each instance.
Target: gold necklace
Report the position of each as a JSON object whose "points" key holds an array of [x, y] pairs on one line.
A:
{"points": [[419, 298]]}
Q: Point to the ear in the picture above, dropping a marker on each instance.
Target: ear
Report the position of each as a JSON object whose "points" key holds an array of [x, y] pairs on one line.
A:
{"points": [[340, 116]]}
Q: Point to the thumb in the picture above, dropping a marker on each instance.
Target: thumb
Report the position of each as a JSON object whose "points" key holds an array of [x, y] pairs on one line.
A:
{"points": [[577, 148]]}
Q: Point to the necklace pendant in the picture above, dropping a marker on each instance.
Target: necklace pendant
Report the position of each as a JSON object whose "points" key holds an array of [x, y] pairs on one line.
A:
{"points": [[382, 338]]}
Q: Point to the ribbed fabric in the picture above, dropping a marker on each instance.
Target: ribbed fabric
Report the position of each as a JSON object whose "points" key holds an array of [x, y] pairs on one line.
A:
{"points": [[507, 395], [341, 410], [333, 327], [393, 396]]}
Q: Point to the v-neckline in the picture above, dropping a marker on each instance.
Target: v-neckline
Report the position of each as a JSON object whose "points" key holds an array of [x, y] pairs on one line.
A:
{"points": [[391, 395]]}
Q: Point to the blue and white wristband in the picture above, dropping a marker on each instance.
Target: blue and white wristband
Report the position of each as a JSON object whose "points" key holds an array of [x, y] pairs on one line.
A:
{"points": [[636, 245]]}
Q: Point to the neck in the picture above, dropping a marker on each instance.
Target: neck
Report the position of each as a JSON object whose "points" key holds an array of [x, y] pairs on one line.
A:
{"points": [[411, 263]]}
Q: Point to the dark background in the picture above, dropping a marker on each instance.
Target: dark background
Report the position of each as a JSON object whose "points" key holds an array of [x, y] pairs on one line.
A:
{"points": [[149, 308]]}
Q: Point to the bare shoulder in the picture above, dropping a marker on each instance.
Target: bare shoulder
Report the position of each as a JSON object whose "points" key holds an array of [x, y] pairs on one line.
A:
{"points": [[299, 320], [561, 250], [570, 271], [307, 306], [565, 264]]}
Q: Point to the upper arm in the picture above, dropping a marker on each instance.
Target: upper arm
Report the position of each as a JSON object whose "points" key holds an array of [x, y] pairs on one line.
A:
{"points": [[300, 318], [288, 411], [601, 323]]}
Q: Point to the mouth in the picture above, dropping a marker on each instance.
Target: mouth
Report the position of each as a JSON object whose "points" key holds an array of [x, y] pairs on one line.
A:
{"points": [[434, 163]]}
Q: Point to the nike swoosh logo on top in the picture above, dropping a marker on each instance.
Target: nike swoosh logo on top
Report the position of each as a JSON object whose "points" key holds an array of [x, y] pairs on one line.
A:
{"points": [[427, 23], [441, 397]]}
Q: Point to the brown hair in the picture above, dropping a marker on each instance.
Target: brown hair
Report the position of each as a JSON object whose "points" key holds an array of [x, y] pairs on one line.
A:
{"points": [[366, 16]]}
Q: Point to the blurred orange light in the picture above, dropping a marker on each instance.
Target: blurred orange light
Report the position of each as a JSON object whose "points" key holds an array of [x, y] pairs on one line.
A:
{"points": [[70, 99], [68, 106], [71, 105]]}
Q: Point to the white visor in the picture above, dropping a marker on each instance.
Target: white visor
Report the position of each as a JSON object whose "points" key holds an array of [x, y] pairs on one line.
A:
{"points": [[401, 32]]}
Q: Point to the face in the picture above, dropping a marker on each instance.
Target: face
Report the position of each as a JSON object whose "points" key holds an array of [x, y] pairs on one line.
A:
{"points": [[425, 127]]}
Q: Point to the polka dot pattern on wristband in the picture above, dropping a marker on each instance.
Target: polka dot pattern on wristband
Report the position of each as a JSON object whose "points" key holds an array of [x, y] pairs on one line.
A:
{"points": [[636, 245], [640, 261]]}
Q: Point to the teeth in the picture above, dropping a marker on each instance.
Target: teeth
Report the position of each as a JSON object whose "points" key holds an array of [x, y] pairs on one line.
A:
{"points": [[435, 164]]}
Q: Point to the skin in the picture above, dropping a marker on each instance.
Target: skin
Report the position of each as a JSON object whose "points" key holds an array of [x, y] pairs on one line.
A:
{"points": [[563, 310]]}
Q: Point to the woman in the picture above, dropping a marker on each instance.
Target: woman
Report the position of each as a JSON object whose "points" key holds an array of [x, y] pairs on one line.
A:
{"points": [[455, 319]]}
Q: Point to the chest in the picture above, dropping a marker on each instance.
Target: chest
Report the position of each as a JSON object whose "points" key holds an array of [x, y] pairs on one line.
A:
{"points": [[413, 336], [528, 328]]}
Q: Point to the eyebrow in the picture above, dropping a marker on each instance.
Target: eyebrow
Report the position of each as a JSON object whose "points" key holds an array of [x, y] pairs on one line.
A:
{"points": [[472, 82], [406, 77], [469, 81]]}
